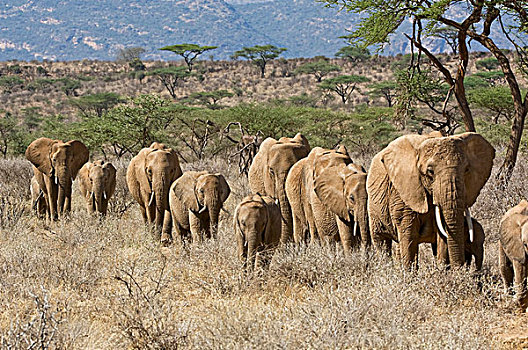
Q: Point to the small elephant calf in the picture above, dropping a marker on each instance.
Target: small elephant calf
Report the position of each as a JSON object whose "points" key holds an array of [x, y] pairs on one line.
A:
{"points": [[257, 227], [513, 251], [38, 198], [97, 185]]}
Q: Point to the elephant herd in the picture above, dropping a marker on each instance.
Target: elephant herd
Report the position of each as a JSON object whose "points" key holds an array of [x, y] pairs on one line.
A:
{"points": [[418, 190]]}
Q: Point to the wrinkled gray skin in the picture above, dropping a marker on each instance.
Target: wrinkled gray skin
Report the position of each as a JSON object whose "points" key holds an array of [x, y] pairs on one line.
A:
{"points": [[267, 173], [56, 166], [513, 252], [196, 199], [257, 226], [149, 177], [416, 176], [97, 185]]}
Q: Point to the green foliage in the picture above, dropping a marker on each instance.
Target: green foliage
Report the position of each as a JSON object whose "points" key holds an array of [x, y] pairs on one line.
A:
{"points": [[9, 82], [40, 84], [343, 85], [96, 103], [69, 86], [171, 77], [319, 69], [496, 99], [353, 53], [259, 55], [189, 52], [489, 63], [209, 99], [386, 89]]}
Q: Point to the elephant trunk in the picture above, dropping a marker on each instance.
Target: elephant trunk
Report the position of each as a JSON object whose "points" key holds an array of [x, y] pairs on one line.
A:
{"points": [[64, 182], [452, 207], [213, 206], [361, 217], [286, 215], [161, 195], [252, 245], [98, 194]]}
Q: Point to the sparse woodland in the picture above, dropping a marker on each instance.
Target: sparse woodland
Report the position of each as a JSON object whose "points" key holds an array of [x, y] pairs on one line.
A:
{"points": [[90, 284]]}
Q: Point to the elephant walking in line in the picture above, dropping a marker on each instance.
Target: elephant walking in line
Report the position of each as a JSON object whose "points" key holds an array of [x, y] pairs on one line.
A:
{"points": [[196, 199], [513, 251], [267, 173], [328, 197], [149, 177], [56, 165], [257, 228], [97, 185], [418, 181]]}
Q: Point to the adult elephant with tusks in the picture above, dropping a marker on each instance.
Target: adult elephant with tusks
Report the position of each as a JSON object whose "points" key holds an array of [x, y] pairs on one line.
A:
{"points": [[56, 165], [419, 181], [149, 177], [267, 173]]}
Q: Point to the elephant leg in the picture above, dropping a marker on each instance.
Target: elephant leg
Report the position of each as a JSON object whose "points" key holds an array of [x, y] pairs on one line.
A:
{"points": [[53, 196], [442, 255], [196, 227], [520, 283], [506, 269], [346, 236], [144, 214], [166, 232], [383, 246], [408, 230], [298, 229], [67, 203], [104, 206], [151, 213]]}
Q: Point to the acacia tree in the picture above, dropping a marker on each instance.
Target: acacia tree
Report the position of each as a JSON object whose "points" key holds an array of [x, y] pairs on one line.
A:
{"points": [[189, 52], [353, 53], [170, 77], [319, 69], [260, 55], [343, 85], [472, 20]]}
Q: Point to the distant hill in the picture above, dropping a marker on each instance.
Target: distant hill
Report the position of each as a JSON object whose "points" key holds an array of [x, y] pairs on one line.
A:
{"points": [[97, 29]]}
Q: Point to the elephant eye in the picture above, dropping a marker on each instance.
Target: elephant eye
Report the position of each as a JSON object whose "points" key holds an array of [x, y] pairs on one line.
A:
{"points": [[351, 197], [201, 190], [430, 171], [149, 171], [271, 171]]}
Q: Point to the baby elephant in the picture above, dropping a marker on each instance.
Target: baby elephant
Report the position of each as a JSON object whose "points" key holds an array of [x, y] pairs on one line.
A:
{"points": [[195, 201], [38, 200], [257, 227], [513, 250], [97, 185]]}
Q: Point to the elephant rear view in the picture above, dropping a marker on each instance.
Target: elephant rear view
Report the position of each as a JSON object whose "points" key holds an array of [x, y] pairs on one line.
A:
{"points": [[257, 226], [149, 177], [513, 251], [97, 185], [267, 174], [195, 200], [56, 165]]}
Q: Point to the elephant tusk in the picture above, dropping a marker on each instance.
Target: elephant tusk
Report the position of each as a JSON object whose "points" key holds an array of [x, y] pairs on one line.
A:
{"points": [[151, 198], [202, 210], [439, 221], [91, 195], [56, 180], [470, 224], [355, 228], [104, 195]]}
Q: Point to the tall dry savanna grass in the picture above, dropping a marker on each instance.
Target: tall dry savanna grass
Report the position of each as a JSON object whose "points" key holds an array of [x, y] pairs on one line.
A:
{"points": [[85, 283]]}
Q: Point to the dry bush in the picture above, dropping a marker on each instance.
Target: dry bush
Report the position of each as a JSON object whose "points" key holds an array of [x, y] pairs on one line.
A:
{"points": [[104, 283]]}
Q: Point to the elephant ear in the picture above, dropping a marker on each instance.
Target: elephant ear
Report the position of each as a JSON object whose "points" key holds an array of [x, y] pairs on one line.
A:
{"points": [[38, 153], [184, 188], [300, 138], [329, 187], [400, 160], [226, 190], [178, 171], [80, 156], [480, 154]]}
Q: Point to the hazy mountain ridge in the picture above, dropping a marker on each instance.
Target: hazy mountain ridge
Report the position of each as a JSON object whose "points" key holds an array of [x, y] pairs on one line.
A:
{"points": [[69, 29]]}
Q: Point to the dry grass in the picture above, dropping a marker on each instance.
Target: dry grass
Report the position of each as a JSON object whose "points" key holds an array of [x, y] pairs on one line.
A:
{"points": [[86, 283]]}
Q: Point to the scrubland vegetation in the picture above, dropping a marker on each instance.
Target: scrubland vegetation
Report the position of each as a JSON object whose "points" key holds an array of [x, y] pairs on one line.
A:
{"points": [[89, 283]]}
